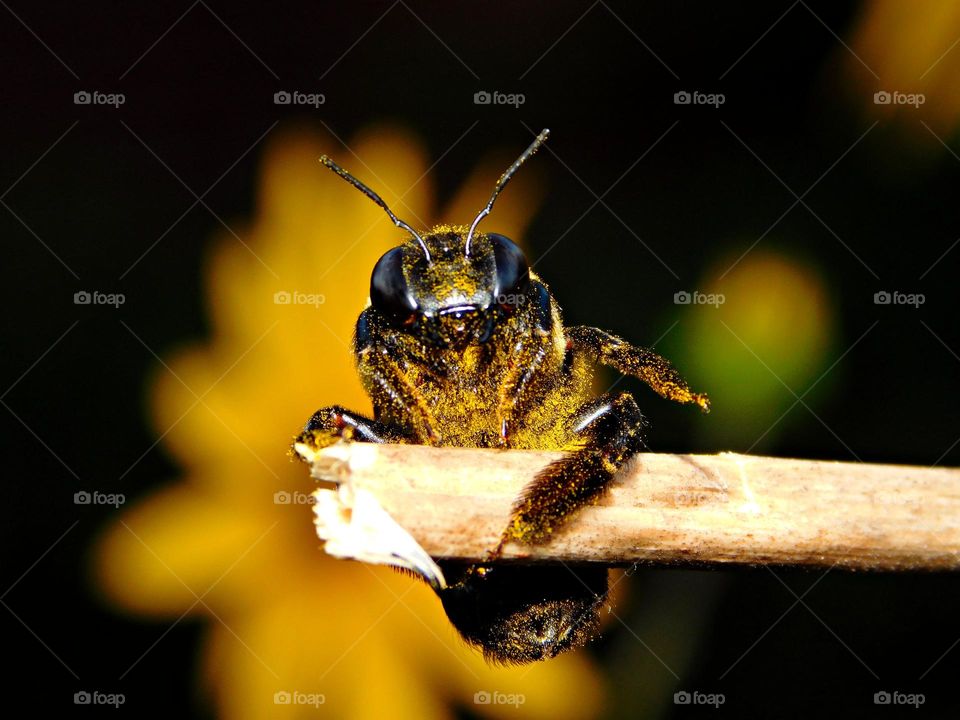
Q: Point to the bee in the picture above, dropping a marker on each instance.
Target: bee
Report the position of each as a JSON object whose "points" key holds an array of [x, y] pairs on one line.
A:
{"points": [[462, 344]]}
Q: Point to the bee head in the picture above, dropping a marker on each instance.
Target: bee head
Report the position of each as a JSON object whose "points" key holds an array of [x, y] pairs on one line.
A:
{"points": [[451, 299], [452, 286]]}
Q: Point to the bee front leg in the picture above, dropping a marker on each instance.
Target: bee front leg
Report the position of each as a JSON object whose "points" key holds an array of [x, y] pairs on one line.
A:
{"points": [[384, 374], [642, 363], [384, 378], [611, 428], [331, 424], [519, 384], [531, 350]]}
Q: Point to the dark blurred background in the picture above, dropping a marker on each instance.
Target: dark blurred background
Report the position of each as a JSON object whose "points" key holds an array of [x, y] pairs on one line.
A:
{"points": [[84, 198]]}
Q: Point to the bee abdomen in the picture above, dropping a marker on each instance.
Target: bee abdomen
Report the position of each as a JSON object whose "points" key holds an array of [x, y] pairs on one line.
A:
{"points": [[520, 614]]}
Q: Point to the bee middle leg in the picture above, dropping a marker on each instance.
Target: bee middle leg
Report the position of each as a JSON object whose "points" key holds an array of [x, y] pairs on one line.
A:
{"points": [[637, 362], [611, 428]]}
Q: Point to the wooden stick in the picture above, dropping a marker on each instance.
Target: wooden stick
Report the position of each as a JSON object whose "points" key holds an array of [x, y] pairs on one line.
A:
{"points": [[703, 509]]}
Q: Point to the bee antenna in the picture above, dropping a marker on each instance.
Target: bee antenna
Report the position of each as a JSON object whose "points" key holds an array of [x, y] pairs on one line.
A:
{"points": [[377, 199], [504, 179]]}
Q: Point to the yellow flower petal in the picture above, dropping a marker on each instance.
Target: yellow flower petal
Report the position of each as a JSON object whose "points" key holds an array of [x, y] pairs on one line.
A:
{"points": [[165, 553]]}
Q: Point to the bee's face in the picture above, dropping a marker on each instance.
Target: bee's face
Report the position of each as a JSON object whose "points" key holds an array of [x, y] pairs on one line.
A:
{"points": [[454, 299]]}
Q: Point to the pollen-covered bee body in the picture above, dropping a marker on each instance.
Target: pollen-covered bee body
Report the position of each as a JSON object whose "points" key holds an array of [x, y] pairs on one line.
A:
{"points": [[461, 344], [477, 340]]}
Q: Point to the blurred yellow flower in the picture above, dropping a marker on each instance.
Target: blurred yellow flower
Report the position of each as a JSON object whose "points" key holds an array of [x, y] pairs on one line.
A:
{"points": [[232, 540], [771, 333], [913, 47]]}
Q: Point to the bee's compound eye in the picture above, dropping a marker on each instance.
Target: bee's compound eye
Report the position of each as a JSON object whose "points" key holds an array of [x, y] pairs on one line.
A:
{"points": [[513, 273], [389, 293]]}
